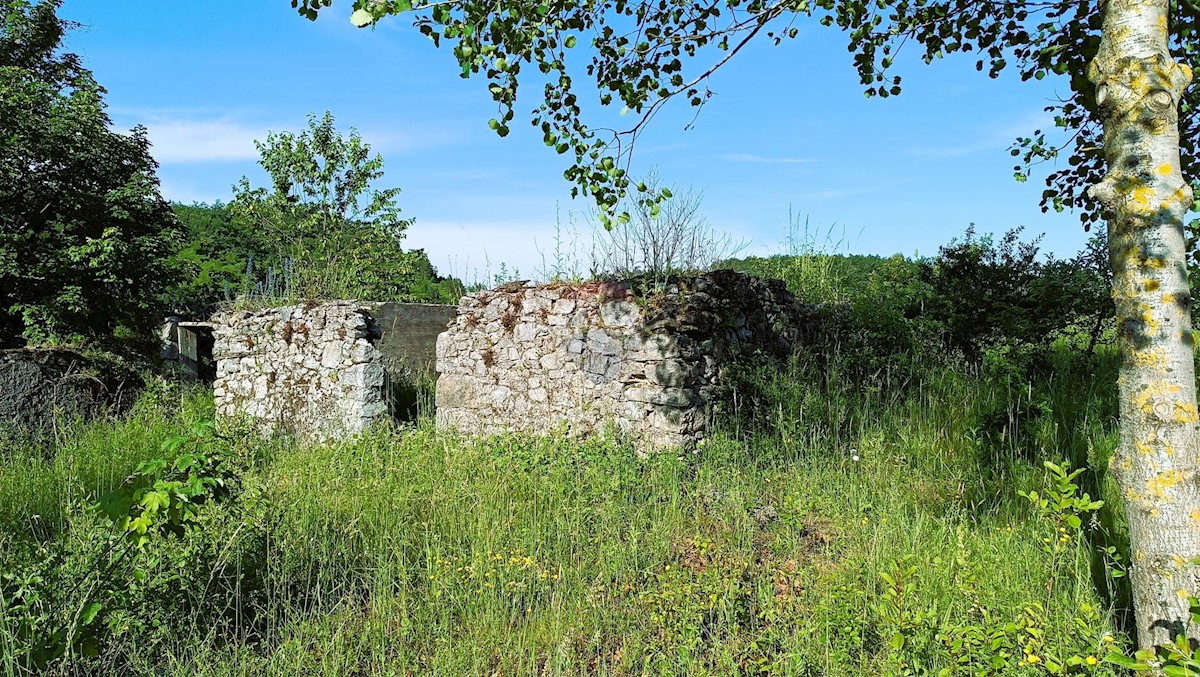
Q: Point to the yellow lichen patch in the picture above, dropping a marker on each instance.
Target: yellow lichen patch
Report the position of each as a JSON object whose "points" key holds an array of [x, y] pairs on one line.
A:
{"points": [[1178, 561], [1155, 391], [1168, 299], [1150, 284], [1144, 448], [1183, 594], [1185, 412], [1179, 197], [1165, 168], [1150, 322], [1161, 483], [1150, 359], [1142, 196], [1196, 515]]}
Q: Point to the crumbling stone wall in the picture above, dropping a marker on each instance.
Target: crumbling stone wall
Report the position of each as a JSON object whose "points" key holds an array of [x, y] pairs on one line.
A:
{"points": [[37, 387], [578, 357], [311, 370]]}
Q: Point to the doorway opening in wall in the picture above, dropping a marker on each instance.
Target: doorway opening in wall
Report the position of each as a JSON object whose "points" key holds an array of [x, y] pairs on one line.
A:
{"points": [[410, 396]]}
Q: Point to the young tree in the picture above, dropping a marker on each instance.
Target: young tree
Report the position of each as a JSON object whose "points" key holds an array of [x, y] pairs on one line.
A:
{"points": [[1126, 88], [340, 236], [85, 237]]}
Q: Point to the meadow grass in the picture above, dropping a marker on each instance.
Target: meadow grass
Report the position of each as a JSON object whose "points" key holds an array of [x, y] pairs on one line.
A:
{"points": [[833, 526]]}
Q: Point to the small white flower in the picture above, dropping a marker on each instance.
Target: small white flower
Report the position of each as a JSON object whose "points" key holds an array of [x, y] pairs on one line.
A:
{"points": [[854, 458]]}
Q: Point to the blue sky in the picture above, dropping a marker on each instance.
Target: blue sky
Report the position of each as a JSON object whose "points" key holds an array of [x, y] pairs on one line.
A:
{"points": [[788, 130]]}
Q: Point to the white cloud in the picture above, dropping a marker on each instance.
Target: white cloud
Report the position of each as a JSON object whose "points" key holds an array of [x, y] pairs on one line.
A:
{"points": [[187, 137], [474, 250], [220, 140], [186, 192]]}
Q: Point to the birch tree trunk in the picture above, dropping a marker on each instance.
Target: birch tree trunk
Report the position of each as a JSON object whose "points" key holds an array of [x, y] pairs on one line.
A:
{"points": [[1138, 87]]}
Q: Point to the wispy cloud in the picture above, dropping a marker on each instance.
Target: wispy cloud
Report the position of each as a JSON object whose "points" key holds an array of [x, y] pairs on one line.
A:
{"points": [[182, 140], [996, 137], [473, 250], [187, 192], [762, 159], [184, 137]]}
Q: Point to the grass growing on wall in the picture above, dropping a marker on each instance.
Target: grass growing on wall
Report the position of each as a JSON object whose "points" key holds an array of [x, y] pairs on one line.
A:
{"points": [[838, 527]]}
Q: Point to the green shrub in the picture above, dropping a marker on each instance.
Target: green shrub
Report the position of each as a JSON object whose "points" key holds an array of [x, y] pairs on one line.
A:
{"points": [[85, 238]]}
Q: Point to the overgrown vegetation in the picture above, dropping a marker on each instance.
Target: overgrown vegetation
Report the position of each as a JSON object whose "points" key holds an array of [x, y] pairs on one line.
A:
{"points": [[857, 514], [320, 231], [227, 259]]}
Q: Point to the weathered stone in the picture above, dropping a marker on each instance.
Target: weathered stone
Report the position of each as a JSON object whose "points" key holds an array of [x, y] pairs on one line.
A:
{"points": [[39, 386], [599, 341], [618, 314], [314, 370], [592, 355]]}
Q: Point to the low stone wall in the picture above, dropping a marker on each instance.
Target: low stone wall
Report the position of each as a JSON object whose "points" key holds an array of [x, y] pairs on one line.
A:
{"points": [[310, 370], [36, 386], [575, 358]]}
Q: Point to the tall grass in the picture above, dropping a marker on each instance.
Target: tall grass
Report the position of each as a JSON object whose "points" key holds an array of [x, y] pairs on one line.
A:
{"points": [[856, 513], [413, 551], [81, 460]]}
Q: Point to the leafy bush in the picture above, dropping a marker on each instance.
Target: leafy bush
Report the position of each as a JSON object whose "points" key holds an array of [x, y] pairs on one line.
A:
{"points": [[126, 564], [305, 240], [985, 292], [85, 238]]}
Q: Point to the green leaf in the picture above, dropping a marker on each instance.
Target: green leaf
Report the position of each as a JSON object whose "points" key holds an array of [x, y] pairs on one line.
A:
{"points": [[1179, 671], [569, 42], [89, 613], [155, 500], [1124, 661], [361, 18], [114, 505], [897, 641]]}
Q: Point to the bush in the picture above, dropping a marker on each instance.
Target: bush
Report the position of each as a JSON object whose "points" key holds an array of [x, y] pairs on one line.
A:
{"points": [[985, 292], [85, 238]]}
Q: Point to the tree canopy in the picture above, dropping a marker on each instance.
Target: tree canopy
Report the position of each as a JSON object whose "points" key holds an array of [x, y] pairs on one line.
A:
{"points": [[319, 229], [641, 54], [85, 237]]}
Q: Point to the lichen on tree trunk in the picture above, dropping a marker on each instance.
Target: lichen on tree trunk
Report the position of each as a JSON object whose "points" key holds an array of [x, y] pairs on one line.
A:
{"points": [[1138, 88]]}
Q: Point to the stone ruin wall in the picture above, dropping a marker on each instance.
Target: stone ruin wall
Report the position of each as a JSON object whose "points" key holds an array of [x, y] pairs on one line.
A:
{"points": [[577, 358], [310, 370]]}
